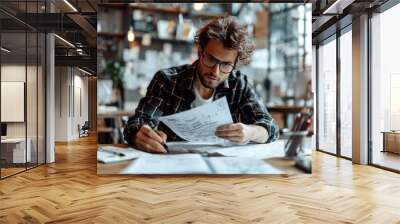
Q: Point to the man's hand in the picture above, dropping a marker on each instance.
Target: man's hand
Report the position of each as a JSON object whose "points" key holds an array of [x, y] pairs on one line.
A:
{"points": [[240, 133], [150, 140]]}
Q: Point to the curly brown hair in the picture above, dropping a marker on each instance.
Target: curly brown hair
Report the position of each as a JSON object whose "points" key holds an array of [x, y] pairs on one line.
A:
{"points": [[231, 34]]}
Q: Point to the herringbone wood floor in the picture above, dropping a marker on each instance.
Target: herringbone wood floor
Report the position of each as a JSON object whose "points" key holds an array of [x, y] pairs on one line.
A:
{"points": [[70, 191]]}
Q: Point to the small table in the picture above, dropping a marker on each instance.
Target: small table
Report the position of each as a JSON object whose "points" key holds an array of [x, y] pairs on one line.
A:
{"points": [[391, 141]]}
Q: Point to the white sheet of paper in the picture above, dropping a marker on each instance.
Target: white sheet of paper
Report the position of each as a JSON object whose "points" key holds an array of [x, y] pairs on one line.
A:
{"points": [[261, 151], [199, 124], [194, 147], [107, 154], [234, 165], [168, 164]]}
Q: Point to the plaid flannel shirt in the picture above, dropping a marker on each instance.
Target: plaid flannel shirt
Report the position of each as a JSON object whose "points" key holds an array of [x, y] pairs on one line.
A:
{"points": [[171, 91]]}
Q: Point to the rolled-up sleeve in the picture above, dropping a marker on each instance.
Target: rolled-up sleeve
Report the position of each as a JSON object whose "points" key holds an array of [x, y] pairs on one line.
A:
{"points": [[149, 107], [253, 112]]}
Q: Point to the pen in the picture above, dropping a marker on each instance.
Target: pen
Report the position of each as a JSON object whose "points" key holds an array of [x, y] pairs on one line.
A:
{"points": [[110, 151], [165, 146]]}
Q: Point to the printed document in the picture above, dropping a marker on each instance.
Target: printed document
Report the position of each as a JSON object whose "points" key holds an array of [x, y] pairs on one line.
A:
{"points": [[199, 124], [168, 164]]}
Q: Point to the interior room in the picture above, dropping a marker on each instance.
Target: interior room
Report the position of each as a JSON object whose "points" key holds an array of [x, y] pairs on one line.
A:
{"points": [[22, 98], [56, 69], [133, 48], [335, 69]]}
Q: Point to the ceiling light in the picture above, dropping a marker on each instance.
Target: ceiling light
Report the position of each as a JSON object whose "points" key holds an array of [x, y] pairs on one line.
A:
{"points": [[79, 51], [70, 5], [65, 41], [84, 71], [5, 50], [338, 6], [131, 35]]}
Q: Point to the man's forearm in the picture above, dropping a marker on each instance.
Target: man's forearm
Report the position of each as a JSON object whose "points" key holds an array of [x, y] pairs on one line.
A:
{"points": [[259, 134]]}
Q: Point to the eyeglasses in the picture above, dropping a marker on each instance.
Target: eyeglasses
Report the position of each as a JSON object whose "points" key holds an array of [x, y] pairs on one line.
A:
{"points": [[210, 61]]}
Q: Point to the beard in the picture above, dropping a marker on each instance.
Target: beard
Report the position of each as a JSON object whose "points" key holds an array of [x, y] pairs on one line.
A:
{"points": [[208, 79], [209, 84]]}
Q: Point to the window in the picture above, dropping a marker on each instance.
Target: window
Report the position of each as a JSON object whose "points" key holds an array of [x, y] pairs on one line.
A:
{"points": [[22, 75], [327, 96], [346, 94], [385, 86]]}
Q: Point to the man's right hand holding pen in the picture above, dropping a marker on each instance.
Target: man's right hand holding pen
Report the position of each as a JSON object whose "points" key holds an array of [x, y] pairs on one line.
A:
{"points": [[150, 140]]}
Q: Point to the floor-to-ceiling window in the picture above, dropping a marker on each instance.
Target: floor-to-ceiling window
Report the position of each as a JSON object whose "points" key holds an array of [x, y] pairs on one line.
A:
{"points": [[334, 71], [22, 87], [385, 89], [346, 92], [327, 95]]}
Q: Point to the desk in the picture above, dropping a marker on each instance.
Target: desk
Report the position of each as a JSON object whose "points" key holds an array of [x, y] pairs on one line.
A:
{"points": [[275, 159], [13, 150]]}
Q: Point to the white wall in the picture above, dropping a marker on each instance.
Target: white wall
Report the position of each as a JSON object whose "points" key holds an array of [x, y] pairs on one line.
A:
{"points": [[14, 73], [61, 103], [71, 94]]}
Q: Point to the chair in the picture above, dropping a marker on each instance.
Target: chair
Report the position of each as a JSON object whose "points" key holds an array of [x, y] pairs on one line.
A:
{"points": [[84, 129]]}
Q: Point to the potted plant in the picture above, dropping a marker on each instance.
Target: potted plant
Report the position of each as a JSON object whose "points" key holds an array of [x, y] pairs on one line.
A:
{"points": [[115, 69]]}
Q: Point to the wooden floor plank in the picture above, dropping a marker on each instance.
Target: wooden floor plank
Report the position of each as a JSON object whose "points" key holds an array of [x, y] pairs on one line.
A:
{"points": [[70, 191]]}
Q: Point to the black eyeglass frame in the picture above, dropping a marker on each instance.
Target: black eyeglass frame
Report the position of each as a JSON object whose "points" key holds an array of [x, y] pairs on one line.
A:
{"points": [[218, 62]]}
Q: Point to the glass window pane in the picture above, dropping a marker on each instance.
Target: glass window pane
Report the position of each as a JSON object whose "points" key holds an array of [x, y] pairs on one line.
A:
{"points": [[31, 97], [41, 98], [327, 97], [385, 89], [14, 153], [346, 94]]}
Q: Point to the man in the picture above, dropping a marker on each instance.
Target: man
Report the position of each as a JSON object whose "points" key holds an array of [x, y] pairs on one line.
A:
{"points": [[223, 45]]}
